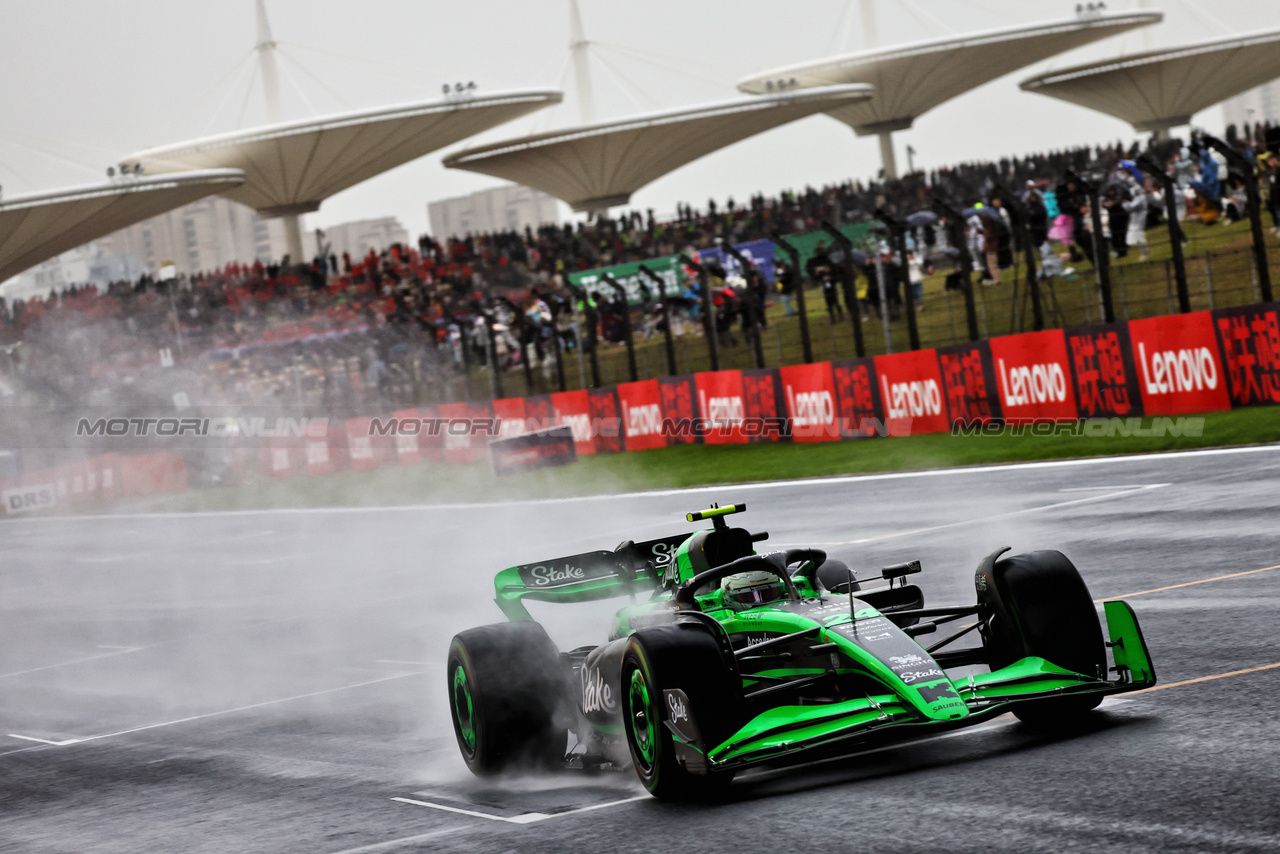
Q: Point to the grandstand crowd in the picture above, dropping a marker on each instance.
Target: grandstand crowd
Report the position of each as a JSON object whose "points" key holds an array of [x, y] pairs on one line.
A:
{"points": [[397, 327]]}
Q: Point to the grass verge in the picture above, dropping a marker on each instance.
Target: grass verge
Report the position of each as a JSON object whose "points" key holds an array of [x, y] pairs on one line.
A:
{"points": [[430, 483]]}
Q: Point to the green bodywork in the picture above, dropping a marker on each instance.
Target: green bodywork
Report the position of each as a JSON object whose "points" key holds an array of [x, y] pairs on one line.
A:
{"points": [[906, 703]]}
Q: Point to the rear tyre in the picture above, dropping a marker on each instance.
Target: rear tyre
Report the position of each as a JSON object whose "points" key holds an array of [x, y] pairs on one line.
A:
{"points": [[1041, 607], [688, 658], [507, 695]]}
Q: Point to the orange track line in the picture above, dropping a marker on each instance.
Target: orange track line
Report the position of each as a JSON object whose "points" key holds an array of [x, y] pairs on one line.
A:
{"points": [[1190, 583], [1206, 678]]}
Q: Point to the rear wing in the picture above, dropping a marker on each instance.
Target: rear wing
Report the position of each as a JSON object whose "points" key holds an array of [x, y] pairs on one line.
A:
{"points": [[586, 577]]}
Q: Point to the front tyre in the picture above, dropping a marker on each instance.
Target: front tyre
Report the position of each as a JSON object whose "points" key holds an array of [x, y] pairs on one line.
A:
{"points": [[686, 659], [507, 693], [1042, 607]]}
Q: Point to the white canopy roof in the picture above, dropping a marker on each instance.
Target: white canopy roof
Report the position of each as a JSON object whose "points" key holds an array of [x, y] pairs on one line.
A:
{"points": [[290, 168], [1161, 89], [912, 79], [40, 226], [596, 166]]}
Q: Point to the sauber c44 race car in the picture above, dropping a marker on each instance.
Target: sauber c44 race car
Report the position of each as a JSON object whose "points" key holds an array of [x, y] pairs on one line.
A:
{"points": [[727, 659]]}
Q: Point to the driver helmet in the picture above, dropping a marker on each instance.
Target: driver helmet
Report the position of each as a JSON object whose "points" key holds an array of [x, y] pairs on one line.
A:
{"points": [[749, 589]]}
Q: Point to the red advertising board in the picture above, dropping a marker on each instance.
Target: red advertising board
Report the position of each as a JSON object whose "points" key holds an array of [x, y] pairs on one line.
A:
{"points": [[360, 445], [856, 398], [282, 456], [573, 408], [1102, 371], [721, 407], [455, 432], [911, 392], [606, 420], [1179, 368], [510, 414], [538, 413], [1033, 375], [810, 392], [969, 383], [319, 459], [679, 405], [409, 428], [641, 405], [1250, 338], [766, 407]]}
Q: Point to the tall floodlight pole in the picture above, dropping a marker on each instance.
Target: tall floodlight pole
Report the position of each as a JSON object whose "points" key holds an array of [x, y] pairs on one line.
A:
{"points": [[266, 48], [578, 45]]}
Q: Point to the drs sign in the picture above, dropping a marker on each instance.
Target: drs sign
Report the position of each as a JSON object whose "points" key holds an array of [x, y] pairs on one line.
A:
{"points": [[24, 499]]}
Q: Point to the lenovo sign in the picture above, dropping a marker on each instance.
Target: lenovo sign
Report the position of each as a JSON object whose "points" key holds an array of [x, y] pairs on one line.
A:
{"points": [[811, 402], [911, 391], [573, 410], [721, 406], [1033, 375], [641, 415], [1179, 370]]}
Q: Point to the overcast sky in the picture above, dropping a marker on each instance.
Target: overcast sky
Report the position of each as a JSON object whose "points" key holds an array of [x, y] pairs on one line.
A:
{"points": [[89, 81]]}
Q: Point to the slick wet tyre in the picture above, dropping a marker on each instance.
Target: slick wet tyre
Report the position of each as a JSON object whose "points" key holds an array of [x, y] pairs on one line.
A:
{"points": [[508, 690], [1045, 610], [688, 658]]}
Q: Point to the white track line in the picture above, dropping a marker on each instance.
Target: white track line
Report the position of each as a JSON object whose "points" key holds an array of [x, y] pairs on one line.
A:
{"points": [[987, 518], [119, 650], [62, 743], [525, 818], [249, 707], [814, 482]]}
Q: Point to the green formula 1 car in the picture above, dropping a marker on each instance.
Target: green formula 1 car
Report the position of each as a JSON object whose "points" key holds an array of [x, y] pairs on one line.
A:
{"points": [[727, 659]]}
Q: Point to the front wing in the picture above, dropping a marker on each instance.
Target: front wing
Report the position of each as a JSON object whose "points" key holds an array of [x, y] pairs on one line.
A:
{"points": [[781, 733]]}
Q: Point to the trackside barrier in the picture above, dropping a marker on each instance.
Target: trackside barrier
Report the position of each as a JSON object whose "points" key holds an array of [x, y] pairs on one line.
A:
{"points": [[105, 476], [1204, 361], [1199, 362]]}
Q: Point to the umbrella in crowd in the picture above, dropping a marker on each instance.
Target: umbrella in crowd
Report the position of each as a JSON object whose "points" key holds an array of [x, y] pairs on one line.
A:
{"points": [[920, 219], [983, 212], [837, 257], [1132, 169]]}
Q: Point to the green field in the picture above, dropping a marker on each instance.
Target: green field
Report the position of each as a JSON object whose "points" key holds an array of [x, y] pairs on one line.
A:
{"points": [[429, 483]]}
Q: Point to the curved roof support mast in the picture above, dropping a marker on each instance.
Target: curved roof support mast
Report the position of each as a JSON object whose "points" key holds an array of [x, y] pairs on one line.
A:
{"points": [[266, 48]]}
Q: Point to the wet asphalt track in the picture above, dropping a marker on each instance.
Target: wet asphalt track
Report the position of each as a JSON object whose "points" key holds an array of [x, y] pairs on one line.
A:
{"points": [[274, 681]]}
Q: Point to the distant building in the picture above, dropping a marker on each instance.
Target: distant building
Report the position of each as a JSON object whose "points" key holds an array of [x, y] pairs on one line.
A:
{"points": [[362, 235], [204, 235], [1256, 105], [500, 209]]}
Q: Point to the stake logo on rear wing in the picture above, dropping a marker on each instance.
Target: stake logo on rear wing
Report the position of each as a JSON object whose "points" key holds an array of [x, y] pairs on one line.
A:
{"points": [[587, 576]]}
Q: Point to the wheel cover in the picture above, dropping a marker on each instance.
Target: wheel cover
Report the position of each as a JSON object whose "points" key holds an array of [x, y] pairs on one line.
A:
{"points": [[464, 709], [642, 720]]}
